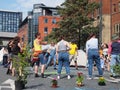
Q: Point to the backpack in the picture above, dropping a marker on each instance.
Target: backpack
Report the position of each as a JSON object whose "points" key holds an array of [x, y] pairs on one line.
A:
{"points": [[15, 49], [115, 47]]}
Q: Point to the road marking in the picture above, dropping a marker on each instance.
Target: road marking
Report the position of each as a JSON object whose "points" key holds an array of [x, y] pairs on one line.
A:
{"points": [[50, 77], [53, 72], [113, 80], [9, 82]]}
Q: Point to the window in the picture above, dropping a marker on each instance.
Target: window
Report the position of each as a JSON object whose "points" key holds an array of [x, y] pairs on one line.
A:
{"points": [[53, 21], [114, 7], [45, 30], [0, 26], [116, 28], [119, 6], [45, 20]]}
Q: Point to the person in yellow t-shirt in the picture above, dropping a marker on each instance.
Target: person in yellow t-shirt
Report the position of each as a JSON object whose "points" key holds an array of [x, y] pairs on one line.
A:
{"points": [[73, 53], [38, 50]]}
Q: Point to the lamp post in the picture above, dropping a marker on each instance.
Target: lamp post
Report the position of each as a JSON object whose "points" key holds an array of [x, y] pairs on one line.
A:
{"points": [[100, 24]]}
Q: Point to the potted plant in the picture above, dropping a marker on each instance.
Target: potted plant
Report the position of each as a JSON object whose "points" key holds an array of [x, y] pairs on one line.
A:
{"points": [[79, 79], [101, 81], [116, 69], [54, 83], [20, 62]]}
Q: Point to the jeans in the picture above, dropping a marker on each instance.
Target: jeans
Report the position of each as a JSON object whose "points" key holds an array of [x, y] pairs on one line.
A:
{"points": [[42, 58], [63, 59], [114, 60], [51, 57], [93, 55]]}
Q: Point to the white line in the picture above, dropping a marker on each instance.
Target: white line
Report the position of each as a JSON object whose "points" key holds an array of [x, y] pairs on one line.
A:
{"points": [[50, 77], [110, 80]]}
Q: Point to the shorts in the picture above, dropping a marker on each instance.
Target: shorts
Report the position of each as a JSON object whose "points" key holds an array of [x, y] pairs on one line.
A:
{"points": [[37, 63], [73, 57], [42, 58]]}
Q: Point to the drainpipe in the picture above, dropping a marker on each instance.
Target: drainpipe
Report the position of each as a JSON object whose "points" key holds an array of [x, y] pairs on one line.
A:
{"points": [[110, 20]]}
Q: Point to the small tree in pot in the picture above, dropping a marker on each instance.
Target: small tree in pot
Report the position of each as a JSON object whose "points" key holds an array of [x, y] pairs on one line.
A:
{"points": [[20, 62], [101, 81], [79, 79], [54, 83]]}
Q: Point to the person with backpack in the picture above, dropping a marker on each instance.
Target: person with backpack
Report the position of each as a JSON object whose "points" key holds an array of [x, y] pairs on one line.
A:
{"points": [[114, 55], [15, 49]]}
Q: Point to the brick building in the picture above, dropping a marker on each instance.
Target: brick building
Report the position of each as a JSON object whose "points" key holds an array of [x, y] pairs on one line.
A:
{"points": [[47, 24], [110, 19], [23, 30], [108, 14]]}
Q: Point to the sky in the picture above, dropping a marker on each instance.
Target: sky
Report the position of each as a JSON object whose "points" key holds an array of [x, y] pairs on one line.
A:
{"points": [[26, 5]]}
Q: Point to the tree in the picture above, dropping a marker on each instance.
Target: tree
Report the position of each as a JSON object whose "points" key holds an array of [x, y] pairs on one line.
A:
{"points": [[75, 14]]}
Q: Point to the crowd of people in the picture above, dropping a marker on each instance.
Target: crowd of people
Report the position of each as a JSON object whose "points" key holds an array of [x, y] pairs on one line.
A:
{"points": [[62, 53]]}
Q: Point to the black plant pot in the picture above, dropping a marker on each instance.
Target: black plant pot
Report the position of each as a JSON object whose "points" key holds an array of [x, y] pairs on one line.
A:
{"points": [[19, 85], [102, 83]]}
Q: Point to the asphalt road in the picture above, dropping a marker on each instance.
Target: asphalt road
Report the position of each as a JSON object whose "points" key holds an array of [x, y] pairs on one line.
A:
{"points": [[63, 83]]}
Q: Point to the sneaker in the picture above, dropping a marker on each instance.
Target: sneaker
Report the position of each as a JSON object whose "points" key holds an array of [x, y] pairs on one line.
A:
{"points": [[55, 68], [89, 78], [76, 68], [112, 77], [96, 78], [68, 77], [36, 75], [58, 77], [8, 71], [46, 68], [42, 75]]}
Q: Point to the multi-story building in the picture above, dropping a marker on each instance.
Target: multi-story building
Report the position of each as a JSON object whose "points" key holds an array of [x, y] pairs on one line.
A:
{"points": [[41, 19], [9, 24], [109, 22]]}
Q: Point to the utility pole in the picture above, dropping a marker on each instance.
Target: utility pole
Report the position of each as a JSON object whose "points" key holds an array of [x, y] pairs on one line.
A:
{"points": [[100, 24], [79, 42]]}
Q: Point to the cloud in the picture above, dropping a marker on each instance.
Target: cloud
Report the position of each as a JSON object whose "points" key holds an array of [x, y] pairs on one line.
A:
{"points": [[27, 5]]}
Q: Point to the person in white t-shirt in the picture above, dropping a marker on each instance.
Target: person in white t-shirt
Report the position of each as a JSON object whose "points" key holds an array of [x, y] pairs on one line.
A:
{"points": [[92, 52]]}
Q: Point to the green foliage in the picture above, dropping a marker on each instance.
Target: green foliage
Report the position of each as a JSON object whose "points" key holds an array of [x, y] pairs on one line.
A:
{"points": [[101, 81], [75, 15], [80, 78], [54, 82], [116, 69], [20, 62]]}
